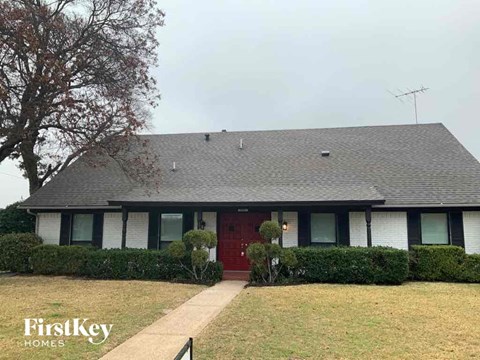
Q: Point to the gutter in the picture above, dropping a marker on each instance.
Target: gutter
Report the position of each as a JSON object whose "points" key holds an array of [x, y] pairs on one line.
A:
{"points": [[67, 207], [246, 204], [438, 205]]}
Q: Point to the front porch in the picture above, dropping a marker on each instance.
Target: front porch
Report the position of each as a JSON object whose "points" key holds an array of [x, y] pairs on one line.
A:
{"points": [[237, 227], [348, 224]]}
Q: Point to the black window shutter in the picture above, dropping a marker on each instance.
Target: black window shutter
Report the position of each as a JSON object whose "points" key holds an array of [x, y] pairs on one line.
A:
{"points": [[153, 229], [456, 228], [414, 229], [188, 221], [97, 239], [303, 229], [343, 229], [65, 227]]}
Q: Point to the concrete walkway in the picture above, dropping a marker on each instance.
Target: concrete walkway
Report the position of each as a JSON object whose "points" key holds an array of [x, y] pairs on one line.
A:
{"points": [[166, 336]]}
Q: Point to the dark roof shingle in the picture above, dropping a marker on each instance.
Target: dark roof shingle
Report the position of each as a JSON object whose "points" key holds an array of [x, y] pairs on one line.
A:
{"points": [[404, 164]]}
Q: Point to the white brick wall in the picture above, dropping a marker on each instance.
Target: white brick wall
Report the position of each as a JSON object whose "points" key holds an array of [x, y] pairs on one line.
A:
{"points": [[210, 219], [389, 229], [358, 229], [112, 230], [48, 227], [471, 229], [137, 230], [290, 237]]}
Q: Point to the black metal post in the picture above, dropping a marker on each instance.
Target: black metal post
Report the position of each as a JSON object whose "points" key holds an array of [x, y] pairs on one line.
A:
{"points": [[124, 227], [280, 222], [368, 219], [199, 219]]}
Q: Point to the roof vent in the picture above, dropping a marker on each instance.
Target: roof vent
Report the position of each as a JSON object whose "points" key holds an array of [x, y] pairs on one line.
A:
{"points": [[174, 166], [207, 137], [241, 144], [224, 130], [325, 153]]}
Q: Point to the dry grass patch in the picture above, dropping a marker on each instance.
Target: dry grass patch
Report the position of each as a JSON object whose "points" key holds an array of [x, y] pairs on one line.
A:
{"points": [[320, 321], [128, 305]]}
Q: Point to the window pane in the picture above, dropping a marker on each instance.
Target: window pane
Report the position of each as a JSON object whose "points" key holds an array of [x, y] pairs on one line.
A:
{"points": [[171, 227], [323, 228], [82, 227], [434, 229]]}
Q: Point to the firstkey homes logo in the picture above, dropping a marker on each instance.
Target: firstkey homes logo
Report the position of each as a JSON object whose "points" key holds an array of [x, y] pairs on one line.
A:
{"points": [[95, 334]]}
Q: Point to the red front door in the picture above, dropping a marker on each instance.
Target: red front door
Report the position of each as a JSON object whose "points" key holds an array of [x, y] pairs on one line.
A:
{"points": [[237, 230]]}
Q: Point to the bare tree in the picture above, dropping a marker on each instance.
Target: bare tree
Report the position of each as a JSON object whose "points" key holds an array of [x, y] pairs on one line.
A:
{"points": [[74, 74]]}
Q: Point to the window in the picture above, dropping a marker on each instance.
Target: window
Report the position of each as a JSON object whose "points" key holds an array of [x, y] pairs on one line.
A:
{"points": [[323, 229], [171, 228], [82, 229], [434, 229]]}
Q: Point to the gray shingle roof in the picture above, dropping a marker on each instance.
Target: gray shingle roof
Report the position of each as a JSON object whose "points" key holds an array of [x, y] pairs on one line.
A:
{"points": [[404, 164]]}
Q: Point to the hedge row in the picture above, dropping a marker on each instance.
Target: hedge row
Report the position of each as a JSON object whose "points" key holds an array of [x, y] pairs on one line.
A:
{"points": [[59, 260], [15, 251], [443, 263], [376, 265], [113, 264]]}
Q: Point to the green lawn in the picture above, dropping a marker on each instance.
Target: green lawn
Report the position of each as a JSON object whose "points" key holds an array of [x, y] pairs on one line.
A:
{"points": [[413, 321], [128, 305]]}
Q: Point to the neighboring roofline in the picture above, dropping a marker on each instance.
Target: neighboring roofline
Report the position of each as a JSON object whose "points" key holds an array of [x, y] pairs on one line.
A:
{"points": [[243, 203], [67, 207], [442, 205]]}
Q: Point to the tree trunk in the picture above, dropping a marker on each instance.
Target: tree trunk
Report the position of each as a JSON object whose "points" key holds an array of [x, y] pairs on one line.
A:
{"points": [[30, 164]]}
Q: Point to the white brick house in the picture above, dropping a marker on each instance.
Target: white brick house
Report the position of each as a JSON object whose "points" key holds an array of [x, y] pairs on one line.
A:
{"points": [[369, 186]]}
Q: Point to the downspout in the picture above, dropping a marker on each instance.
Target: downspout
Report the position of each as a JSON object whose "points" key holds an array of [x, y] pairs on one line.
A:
{"points": [[36, 219]]}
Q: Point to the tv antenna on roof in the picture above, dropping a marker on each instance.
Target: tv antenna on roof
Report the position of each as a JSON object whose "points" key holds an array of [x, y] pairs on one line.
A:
{"points": [[408, 93]]}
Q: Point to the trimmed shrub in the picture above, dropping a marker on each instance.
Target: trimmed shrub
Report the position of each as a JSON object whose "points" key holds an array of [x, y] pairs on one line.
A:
{"points": [[376, 265], [138, 264], [268, 259], [471, 268], [142, 264], [214, 272], [59, 260], [436, 262], [131, 264], [443, 263], [270, 230], [15, 251], [192, 253]]}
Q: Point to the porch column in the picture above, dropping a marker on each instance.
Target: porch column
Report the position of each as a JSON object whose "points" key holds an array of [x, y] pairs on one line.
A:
{"points": [[199, 219], [124, 227], [280, 222], [368, 219]]}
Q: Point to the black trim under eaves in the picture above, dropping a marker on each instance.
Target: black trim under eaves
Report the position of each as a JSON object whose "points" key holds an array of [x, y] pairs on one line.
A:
{"points": [[246, 204]]}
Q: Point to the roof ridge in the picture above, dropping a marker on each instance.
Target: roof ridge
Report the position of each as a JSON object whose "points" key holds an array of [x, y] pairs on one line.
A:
{"points": [[299, 129]]}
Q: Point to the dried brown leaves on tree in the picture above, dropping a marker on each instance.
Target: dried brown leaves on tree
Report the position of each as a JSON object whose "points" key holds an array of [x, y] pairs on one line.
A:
{"points": [[74, 74]]}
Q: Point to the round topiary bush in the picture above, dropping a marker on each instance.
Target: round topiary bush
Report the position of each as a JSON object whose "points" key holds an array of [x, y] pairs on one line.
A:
{"points": [[15, 251], [267, 259], [270, 230], [192, 253]]}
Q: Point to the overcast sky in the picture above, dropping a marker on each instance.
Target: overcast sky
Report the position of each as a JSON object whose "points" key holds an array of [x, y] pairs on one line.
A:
{"points": [[251, 65]]}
